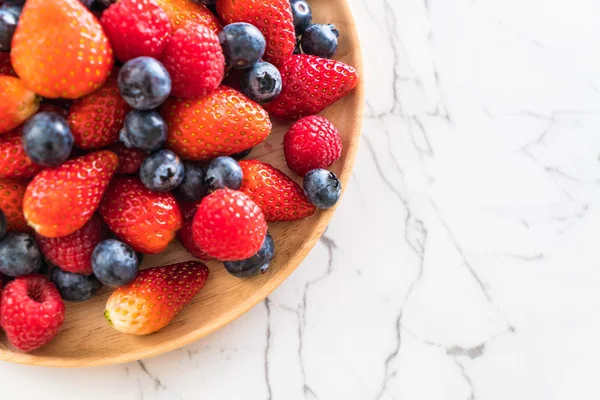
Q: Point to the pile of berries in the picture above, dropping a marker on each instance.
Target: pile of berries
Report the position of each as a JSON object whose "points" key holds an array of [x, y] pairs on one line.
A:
{"points": [[118, 135]]}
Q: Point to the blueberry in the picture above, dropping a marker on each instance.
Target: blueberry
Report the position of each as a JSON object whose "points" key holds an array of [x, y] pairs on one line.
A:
{"points": [[242, 154], [14, 8], [8, 24], [261, 82], [322, 188], [192, 188], [74, 287], [87, 3], [223, 172], [258, 263], [162, 171], [144, 130], [114, 263], [14, 1], [19, 255], [243, 44], [320, 40], [47, 139], [144, 83], [2, 224], [302, 16]]}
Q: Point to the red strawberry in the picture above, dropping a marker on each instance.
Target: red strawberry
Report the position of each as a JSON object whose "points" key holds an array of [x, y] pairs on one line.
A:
{"points": [[14, 163], [6, 67], [60, 50], [311, 84], [136, 28], [273, 18], [73, 253], [278, 196], [185, 237], [224, 122], [61, 200], [31, 312], [17, 103], [312, 142], [11, 203], [144, 219], [130, 159], [229, 226], [96, 119], [195, 61], [155, 297], [181, 12]]}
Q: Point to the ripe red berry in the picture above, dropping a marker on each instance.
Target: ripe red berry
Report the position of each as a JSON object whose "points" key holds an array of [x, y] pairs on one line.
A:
{"points": [[14, 162], [130, 159], [185, 237]]}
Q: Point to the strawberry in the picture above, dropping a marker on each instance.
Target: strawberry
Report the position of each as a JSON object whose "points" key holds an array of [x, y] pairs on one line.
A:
{"points": [[155, 297], [229, 226], [224, 122], [59, 201], [96, 119], [273, 18], [136, 28], [278, 196], [145, 220], [11, 203], [17, 103], [181, 12], [60, 50], [73, 253], [130, 158], [6, 67], [185, 237], [311, 142], [195, 61], [14, 163], [31, 312], [311, 84]]}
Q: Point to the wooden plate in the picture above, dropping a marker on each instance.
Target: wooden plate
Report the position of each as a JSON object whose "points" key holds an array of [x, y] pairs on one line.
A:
{"points": [[86, 338]]}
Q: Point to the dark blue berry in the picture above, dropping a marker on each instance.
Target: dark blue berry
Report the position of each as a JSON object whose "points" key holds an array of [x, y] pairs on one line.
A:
{"points": [[2, 224], [192, 188], [74, 287], [9, 17], [223, 172], [261, 82], [114, 263], [87, 3], [322, 188], [258, 263], [320, 40], [243, 44], [47, 139], [14, 1], [144, 130], [242, 154], [19, 255], [144, 83], [162, 171], [302, 16]]}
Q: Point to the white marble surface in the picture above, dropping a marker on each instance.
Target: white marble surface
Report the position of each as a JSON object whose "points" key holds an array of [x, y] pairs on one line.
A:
{"points": [[463, 262]]}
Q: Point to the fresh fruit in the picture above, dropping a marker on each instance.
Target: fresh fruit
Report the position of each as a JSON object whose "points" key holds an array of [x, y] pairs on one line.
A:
{"points": [[242, 154], [72, 253], [5, 65], [47, 139], [19, 255], [311, 84], [186, 238], [182, 12], [144, 130], [320, 40], [162, 171], [114, 263], [223, 172], [278, 196], [144, 219], [229, 225], [192, 187], [75, 287], [155, 297], [130, 159], [258, 263], [31, 312], [60, 201], [11, 203], [14, 163], [144, 83], [243, 45], [8, 24], [136, 28], [96, 119], [188, 209], [17, 103], [3, 224], [302, 16], [261, 82], [312, 142], [60, 50], [195, 61], [222, 123], [322, 188], [273, 18]]}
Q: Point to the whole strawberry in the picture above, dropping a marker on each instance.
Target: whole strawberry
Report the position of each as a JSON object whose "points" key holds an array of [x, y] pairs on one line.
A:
{"points": [[17, 103], [229, 226], [278, 196], [61, 200], [224, 122], [14, 162], [130, 158], [181, 12], [60, 50], [145, 220], [312, 142], [11, 203], [186, 238], [311, 84], [31, 312], [155, 297]]}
